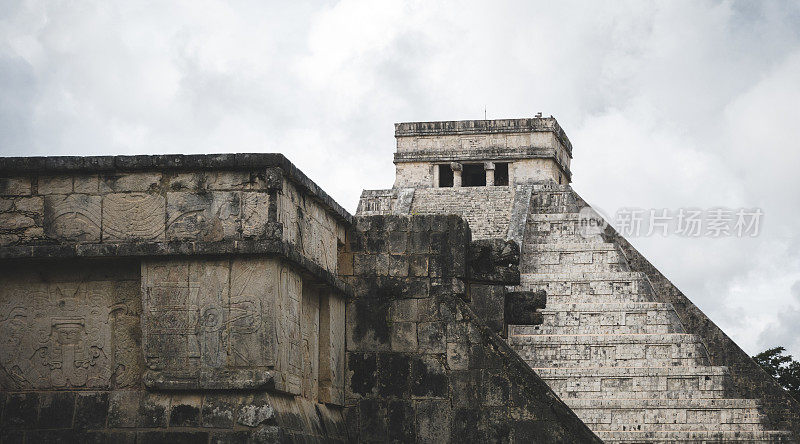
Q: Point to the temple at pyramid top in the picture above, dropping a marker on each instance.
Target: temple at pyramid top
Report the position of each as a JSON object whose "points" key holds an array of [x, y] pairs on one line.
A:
{"points": [[477, 153]]}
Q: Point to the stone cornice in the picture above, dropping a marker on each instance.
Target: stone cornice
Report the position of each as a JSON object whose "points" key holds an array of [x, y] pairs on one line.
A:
{"points": [[470, 127], [66, 165], [264, 247]]}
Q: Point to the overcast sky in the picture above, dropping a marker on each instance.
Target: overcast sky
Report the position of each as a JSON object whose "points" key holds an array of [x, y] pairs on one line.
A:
{"points": [[668, 105]]}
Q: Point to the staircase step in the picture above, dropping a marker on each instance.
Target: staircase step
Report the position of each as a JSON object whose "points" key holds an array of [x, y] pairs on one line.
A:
{"points": [[611, 350], [614, 318], [570, 247], [559, 257], [589, 283], [584, 276], [555, 201], [637, 382], [561, 227], [554, 217], [620, 306], [668, 414], [550, 186], [615, 350], [694, 436], [561, 299]]}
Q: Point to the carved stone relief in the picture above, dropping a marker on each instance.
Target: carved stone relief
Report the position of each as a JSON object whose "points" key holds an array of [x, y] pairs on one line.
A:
{"points": [[308, 227], [287, 332], [210, 216], [133, 216], [67, 334], [255, 211], [310, 327], [73, 217], [206, 316]]}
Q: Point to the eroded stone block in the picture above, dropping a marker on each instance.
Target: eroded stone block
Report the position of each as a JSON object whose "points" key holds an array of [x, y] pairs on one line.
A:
{"points": [[15, 186], [55, 184], [137, 182], [88, 184], [210, 216], [185, 411], [255, 214], [73, 217], [221, 324], [133, 216], [91, 410], [16, 221]]}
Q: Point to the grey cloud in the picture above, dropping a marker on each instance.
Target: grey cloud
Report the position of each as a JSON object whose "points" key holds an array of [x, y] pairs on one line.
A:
{"points": [[786, 331], [16, 103]]}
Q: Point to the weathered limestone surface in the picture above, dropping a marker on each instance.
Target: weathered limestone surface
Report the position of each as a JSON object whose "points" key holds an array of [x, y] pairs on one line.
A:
{"points": [[422, 367], [169, 299], [69, 327], [485, 208], [307, 225], [229, 324]]}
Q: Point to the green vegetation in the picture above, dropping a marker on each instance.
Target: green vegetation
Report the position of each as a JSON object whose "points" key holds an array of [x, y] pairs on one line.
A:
{"points": [[782, 367]]}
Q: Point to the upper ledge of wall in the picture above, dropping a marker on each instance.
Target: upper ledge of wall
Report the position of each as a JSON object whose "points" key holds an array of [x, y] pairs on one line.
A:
{"points": [[497, 126], [273, 245], [17, 166]]}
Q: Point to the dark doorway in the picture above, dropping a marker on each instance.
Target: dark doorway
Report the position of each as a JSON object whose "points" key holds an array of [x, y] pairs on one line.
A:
{"points": [[473, 175], [445, 176], [501, 174]]}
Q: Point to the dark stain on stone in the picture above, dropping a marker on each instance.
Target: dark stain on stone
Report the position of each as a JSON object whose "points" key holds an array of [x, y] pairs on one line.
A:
{"points": [[363, 366], [183, 415]]}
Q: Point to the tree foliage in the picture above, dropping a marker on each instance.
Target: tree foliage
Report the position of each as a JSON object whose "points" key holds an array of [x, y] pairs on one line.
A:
{"points": [[782, 367]]}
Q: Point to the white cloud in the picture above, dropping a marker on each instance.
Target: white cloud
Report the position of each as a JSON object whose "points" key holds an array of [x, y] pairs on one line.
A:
{"points": [[668, 104]]}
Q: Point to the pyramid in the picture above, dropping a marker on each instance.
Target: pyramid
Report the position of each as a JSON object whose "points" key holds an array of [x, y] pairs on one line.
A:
{"points": [[620, 344]]}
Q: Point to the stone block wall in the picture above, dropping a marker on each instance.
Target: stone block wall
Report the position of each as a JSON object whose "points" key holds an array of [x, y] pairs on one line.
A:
{"points": [[180, 206], [82, 361], [136, 416], [116, 206], [377, 202], [487, 209], [421, 366]]}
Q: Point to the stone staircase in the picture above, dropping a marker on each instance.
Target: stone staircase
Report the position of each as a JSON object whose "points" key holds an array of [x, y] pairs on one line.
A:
{"points": [[612, 351]]}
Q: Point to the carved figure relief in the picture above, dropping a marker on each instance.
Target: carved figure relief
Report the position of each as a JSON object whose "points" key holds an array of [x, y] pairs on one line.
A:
{"points": [[207, 314], [59, 335], [251, 317]]}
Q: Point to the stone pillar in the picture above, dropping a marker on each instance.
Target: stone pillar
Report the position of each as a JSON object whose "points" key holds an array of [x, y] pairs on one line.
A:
{"points": [[435, 175], [456, 167], [489, 168]]}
